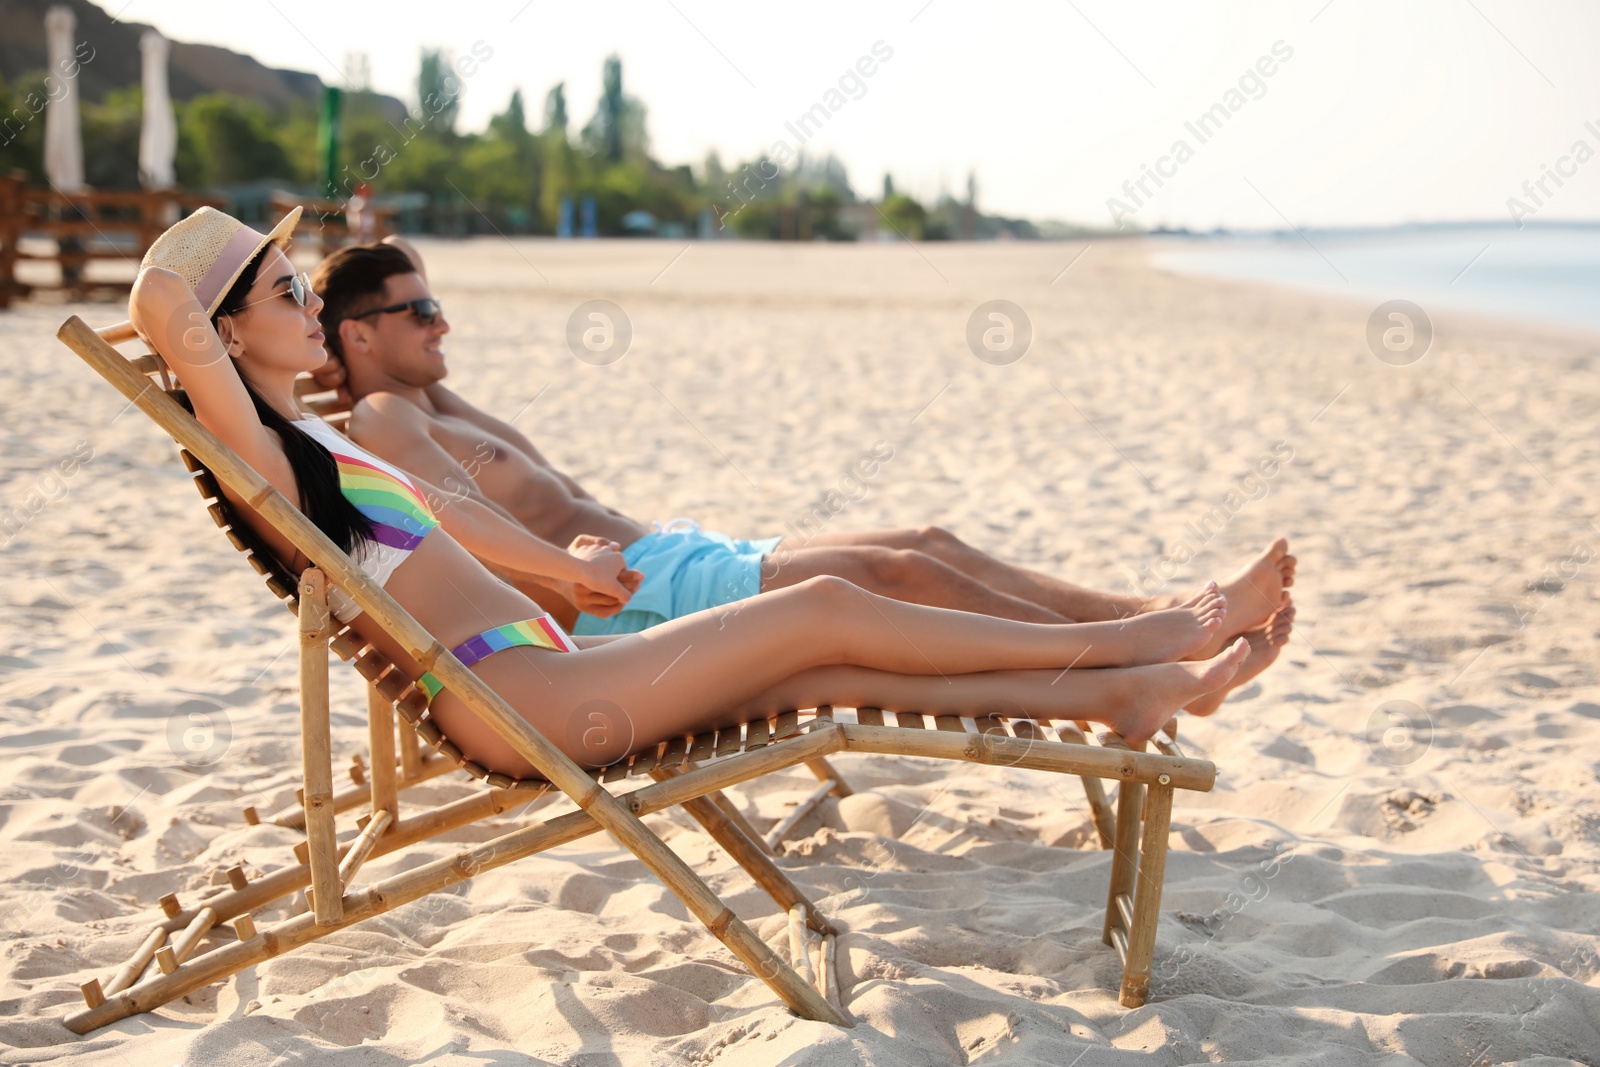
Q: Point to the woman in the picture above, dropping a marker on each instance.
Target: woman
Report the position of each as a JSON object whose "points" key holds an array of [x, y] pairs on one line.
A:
{"points": [[222, 305]]}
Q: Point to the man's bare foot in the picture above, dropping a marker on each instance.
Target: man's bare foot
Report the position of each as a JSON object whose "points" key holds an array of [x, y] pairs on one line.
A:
{"points": [[1265, 644], [1154, 691], [1253, 595], [1158, 636]]}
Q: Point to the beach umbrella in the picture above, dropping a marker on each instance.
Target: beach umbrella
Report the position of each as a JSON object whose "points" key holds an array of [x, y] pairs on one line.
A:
{"points": [[158, 137], [63, 142]]}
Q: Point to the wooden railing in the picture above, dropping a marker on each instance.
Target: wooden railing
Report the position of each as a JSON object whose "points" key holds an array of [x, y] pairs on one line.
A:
{"points": [[82, 227]]}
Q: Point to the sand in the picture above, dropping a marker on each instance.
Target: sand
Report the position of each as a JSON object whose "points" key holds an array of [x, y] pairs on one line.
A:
{"points": [[1357, 889]]}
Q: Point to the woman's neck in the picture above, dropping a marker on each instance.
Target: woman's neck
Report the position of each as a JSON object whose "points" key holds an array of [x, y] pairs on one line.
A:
{"points": [[278, 394]]}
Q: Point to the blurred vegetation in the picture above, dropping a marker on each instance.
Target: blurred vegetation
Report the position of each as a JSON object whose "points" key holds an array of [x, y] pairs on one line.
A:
{"points": [[511, 177]]}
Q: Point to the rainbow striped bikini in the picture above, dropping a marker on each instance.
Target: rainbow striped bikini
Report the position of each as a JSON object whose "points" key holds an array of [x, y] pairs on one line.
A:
{"points": [[401, 519]]}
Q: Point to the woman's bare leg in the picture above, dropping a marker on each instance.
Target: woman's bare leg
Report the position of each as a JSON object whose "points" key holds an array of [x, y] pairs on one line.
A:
{"points": [[692, 672], [1134, 701]]}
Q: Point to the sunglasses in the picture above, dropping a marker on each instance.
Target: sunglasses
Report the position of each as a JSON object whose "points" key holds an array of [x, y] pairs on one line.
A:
{"points": [[427, 310], [299, 291]]}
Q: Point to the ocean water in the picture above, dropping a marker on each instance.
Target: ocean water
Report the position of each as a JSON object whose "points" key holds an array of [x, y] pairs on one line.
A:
{"points": [[1544, 273]]}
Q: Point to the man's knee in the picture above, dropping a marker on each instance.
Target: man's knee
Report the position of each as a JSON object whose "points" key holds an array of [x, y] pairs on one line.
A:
{"points": [[931, 539], [895, 569]]}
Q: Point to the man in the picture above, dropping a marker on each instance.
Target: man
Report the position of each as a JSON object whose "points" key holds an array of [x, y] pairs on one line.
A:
{"points": [[385, 330]]}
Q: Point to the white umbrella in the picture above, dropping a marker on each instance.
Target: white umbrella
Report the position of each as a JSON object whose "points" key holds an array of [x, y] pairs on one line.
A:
{"points": [[158, 137], [63, 142]]}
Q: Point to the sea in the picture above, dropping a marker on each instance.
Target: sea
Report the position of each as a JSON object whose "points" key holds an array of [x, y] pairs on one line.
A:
{"points": [[1547, 273]]}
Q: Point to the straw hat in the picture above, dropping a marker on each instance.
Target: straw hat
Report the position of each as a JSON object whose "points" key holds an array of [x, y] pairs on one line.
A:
{"points": [[209, 250]]}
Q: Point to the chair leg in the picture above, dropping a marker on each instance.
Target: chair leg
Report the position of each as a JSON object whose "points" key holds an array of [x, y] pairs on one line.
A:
{"points": [[1105, 823], [316, 749], [380, 741], [747, 853], [731, 810], [825, 773], [1124, 860], [410, 751], [1147, 902]]}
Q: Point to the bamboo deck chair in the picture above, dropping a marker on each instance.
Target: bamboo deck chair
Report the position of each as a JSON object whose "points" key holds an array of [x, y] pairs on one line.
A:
{"points": [[192, 947]]}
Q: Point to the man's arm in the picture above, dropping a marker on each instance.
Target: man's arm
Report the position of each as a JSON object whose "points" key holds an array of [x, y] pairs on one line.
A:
{"points": [[450, 404], [397, 431]]}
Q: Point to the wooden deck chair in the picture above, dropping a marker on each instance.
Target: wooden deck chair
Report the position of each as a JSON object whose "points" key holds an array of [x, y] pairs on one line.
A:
{"points": [[192, 946]]}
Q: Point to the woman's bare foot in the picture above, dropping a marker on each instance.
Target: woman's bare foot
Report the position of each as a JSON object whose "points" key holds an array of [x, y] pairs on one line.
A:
{"points": [[1253, 595], [1265, 644], [1155, 691], [1159, 636]]}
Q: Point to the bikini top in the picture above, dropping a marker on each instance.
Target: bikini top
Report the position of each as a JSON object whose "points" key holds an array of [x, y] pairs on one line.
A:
{"points": [[388, 498]]}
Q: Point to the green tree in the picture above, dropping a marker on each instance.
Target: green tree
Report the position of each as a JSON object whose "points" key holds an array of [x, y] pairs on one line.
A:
{"points": [[439, 90], [223, 139], [555, 111], [905, 215], [111, 139], [22, 126]]}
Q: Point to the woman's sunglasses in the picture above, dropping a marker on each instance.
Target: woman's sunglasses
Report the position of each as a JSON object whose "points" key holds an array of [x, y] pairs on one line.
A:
{"points": [[299, 291], [427, 310]]}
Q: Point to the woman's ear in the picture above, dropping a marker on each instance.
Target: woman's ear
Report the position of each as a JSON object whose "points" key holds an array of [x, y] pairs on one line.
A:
{"points": [[230, 342]]}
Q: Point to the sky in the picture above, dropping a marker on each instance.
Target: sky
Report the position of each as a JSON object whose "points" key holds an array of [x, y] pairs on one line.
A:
{"points": [[1375, 112]]}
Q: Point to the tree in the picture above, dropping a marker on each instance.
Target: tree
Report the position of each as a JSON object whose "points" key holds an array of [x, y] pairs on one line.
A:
{"points": [[555, 111], [888, 187], [617, 133], [438, 90], [223, 139]]}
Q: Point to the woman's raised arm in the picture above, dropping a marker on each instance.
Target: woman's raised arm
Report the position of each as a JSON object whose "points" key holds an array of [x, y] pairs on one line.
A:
{"points": [[166, 314]]}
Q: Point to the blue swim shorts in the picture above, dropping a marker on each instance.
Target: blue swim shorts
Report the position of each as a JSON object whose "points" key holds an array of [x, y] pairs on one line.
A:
{"points": [[686, 569]]}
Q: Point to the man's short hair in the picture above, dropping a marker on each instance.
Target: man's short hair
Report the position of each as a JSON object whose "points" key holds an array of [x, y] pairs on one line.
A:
{"points": [[352, 281]]}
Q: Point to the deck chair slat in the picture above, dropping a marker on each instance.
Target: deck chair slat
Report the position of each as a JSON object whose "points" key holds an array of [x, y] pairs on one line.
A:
{"points": [[756, 734], [950, 723], [219, 516], [869, 716], [910, 720], [207, 485], [371, 664], [788, 725], [345, 645], [729, 741], [615, 772], [393, 686], [1070, 734], [644, 762], [411, 706], [702, 746], [1027, 729], [673, 752]]}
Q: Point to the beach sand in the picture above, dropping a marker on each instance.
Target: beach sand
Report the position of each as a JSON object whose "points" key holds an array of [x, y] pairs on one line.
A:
{"points": [[1358, 888]]}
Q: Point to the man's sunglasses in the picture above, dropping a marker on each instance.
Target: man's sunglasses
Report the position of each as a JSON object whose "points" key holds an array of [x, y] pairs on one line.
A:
{"points": [[427, 310], [299, 291]]}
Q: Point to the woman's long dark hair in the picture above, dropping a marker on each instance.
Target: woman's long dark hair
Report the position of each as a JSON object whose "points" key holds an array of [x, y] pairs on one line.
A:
{"points": [[315, 471]]}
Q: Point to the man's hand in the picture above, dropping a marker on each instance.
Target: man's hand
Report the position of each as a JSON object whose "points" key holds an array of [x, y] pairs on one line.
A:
{"points": [[332, 375], [608, 583]]}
